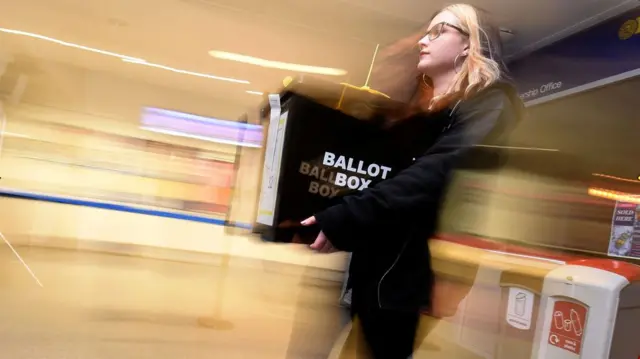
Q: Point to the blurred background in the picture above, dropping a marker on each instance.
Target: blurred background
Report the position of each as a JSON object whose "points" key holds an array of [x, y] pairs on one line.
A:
{"points": [[123, 126]]}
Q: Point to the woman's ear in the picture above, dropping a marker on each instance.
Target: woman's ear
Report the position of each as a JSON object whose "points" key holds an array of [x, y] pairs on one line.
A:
{"points": [[465, 51]]}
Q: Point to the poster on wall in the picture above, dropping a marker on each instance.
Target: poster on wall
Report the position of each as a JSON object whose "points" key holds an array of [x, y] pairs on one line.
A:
{"points": [[625, 231]]}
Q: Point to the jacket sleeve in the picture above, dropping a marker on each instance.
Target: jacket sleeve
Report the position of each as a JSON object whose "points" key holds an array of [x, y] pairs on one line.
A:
{"points": [[418, 188]]}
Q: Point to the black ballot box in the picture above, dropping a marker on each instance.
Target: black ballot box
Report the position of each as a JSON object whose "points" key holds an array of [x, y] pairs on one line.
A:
{"points": [[324, 141]]}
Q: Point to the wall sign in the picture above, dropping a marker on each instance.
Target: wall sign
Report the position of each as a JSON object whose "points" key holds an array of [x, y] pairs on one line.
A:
{"points": [[604, 54], [625, 231], [567, 326], [520, 308]]}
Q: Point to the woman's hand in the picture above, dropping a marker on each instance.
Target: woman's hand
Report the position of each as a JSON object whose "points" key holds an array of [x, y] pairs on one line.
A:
{"points": [[322, 243]]}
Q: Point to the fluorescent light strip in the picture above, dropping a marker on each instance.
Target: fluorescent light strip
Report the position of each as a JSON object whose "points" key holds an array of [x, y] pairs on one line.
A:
{"points": [[614, 196], [150, 111], [11, 134], [185, 72], [277, 64], [617, 178], [255, 93], [203, 138], [68, 44], [125, 58]]}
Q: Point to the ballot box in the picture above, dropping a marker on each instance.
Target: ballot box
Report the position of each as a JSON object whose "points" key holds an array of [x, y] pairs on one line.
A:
{"points": [[324, 141]]}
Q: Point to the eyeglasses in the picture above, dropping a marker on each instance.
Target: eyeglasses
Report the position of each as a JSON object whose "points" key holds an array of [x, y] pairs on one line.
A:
{"points": [[437, 29]]}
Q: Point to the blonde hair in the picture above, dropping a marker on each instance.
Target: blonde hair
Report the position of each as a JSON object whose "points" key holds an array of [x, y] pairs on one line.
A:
{"points": [[395, 71], [481, 68]]}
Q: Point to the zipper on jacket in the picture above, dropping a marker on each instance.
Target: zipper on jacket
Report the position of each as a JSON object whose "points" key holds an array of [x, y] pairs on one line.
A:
{"points": [[404, 246]]}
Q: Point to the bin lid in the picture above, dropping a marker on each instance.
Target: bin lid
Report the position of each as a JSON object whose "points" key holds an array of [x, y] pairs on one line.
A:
{"points": [[627, 270]]}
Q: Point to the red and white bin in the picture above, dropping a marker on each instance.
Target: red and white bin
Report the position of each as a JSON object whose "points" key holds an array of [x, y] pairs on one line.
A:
{"points": [[524, 303], [589, 309]]}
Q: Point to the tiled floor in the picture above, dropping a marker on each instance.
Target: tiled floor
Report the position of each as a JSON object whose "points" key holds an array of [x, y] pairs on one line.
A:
{"points": [[100, 306]]}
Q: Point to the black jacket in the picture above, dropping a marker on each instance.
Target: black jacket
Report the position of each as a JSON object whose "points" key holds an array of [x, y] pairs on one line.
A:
{"points": [[387, 227]]}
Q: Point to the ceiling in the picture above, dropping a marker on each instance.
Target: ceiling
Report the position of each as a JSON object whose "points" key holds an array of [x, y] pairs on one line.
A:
{"points": [[179, 33]]}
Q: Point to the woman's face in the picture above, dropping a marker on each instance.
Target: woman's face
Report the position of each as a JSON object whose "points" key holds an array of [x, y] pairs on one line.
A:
{"points": [[444, 41]]}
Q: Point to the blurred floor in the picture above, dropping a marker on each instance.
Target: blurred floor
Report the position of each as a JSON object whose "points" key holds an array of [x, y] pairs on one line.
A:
{"points": [[96, 306]]}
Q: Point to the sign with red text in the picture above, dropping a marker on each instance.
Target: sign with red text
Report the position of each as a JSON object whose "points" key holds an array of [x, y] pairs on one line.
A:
{"points": [[567, 326]]}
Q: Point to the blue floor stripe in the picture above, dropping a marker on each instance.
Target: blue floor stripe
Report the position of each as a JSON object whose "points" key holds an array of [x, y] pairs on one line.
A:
{"points": [[116, 207]]}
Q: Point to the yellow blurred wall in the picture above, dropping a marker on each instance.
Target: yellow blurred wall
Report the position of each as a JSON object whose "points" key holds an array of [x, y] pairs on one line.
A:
{"points": [[102, 101]]}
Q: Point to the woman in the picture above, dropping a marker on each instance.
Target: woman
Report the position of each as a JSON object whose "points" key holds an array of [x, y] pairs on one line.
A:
{"points": [[387, 227]]}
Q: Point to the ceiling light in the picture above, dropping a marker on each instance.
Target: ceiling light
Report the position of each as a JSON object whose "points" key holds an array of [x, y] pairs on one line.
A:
{"points": [[185, 72], [199, 137], [617, 178], [277, 64], [614, 195], [255, 93], [11, 134], [126, 58], [68, 44]]}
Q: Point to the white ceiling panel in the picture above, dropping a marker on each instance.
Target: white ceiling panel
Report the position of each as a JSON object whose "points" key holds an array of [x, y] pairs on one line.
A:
{"points": [[330, 33]]}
